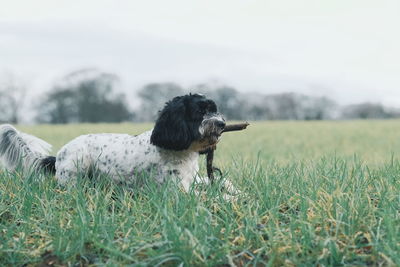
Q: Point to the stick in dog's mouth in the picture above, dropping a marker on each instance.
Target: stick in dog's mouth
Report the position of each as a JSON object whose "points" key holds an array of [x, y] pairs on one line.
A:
{"points": [[210, 149], [235, 127]]}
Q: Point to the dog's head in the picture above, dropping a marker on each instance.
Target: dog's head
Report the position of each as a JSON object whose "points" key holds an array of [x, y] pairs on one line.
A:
{"points": [[188, 122]]}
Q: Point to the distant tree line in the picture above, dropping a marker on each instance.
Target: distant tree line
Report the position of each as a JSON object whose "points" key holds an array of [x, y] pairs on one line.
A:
{"points": [[84, 96], [90, 95]]}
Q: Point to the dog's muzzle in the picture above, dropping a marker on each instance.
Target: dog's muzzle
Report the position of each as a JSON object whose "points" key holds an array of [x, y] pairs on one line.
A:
{"points": [[212, 127]]}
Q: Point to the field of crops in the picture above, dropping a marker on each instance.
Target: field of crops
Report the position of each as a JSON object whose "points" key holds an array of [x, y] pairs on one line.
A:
{"points": [[313, 194]]}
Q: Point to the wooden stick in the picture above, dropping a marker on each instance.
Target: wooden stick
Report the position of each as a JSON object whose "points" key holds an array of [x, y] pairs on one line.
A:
{"points": [[210, 152], [235, 127], [209, 162]]}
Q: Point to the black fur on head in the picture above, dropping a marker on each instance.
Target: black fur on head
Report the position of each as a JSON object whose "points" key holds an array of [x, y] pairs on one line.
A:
{"points": [[178, 123]]}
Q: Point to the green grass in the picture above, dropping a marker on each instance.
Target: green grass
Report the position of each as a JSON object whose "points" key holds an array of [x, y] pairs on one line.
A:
{"points": [[313, 194]]}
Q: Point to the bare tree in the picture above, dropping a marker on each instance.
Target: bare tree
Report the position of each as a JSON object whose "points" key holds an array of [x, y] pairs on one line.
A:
{"points": [[153, 97], [12, 96]]}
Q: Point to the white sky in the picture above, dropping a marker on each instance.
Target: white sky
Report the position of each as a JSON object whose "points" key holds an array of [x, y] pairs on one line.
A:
{"points": [[345, 49]]}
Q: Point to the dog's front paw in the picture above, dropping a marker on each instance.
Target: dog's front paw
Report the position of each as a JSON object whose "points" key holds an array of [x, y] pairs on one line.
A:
{"points": [[230, 192]]}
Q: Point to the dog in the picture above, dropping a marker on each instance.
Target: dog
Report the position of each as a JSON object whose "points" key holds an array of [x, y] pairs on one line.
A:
{"points": [[185, 127]]}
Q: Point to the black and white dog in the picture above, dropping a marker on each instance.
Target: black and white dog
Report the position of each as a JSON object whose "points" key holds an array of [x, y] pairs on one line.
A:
{"points": [[186, 126]]}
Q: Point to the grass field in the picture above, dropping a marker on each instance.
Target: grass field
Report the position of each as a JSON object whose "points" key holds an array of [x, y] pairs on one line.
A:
{"points": [[313, 194]]}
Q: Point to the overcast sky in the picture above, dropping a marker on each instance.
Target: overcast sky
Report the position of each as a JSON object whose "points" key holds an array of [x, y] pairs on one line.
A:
{"points": [[345, 49]]}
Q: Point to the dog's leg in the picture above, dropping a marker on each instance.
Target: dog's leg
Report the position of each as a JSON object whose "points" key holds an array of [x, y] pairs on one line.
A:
{"points": [[188, 178], [229, 191]]}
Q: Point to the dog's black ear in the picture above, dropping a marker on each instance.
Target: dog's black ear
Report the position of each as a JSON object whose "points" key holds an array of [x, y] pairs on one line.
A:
{"points": [[172, 130]]}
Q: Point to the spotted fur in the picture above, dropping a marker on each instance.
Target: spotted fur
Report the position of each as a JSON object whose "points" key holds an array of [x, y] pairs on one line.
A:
{"points": [[186, 126]]}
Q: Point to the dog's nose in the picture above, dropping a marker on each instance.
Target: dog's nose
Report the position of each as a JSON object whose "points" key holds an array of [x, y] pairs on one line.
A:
{"points": [[220, 124]]}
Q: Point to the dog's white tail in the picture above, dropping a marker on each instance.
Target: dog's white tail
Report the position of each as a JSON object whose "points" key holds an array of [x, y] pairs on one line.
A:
{"points": [[21, 149]]}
